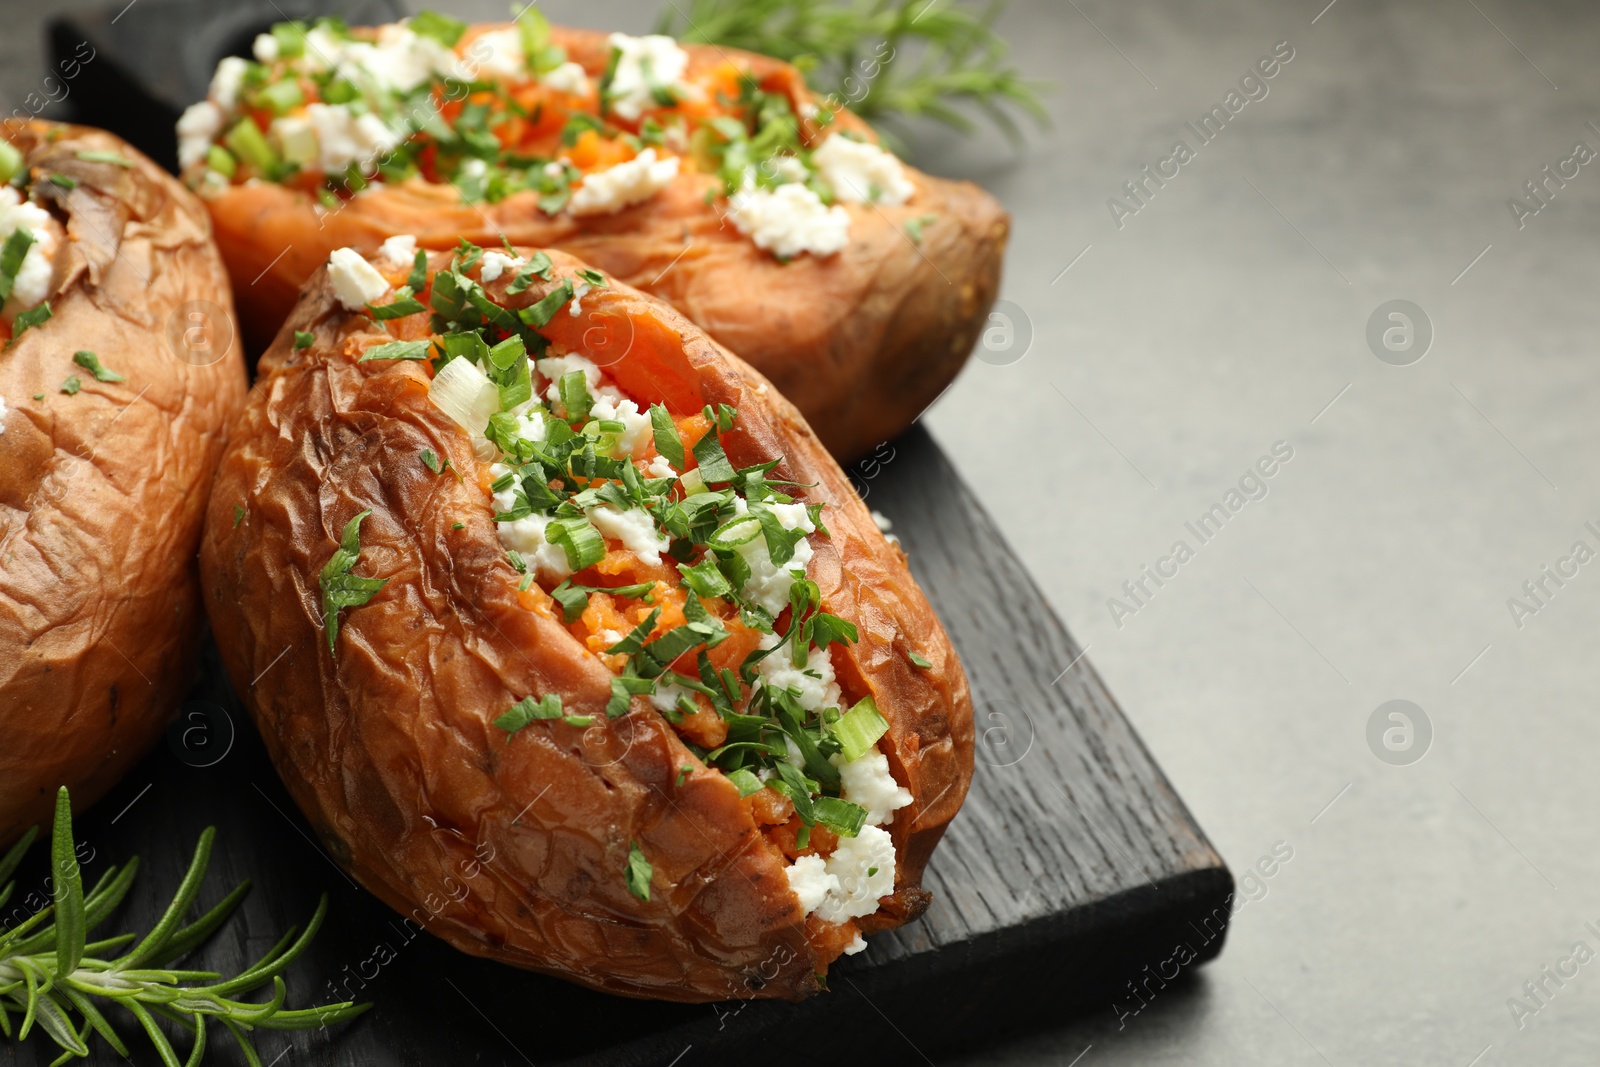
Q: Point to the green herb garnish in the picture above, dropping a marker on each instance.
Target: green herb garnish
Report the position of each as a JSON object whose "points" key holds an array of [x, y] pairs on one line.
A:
{"points": [[340, 588], [58, 981], [638, 873], [303, 339], [71, 386], [91, 363], [411, 350]]}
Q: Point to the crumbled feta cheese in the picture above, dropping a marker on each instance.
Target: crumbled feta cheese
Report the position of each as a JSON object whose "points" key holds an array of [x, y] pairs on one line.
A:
{"points": [[198, 127], [659, 467], [265, 48], [815, 682], [355, 282], [858, 945], [861, 172], [2, 414], [789, 220], [296, 137], [643, 65], [864, 866], [789, 169], [606, 192], [345, 138], [636, 423], [568, 78], [526, 536], [398, 61], [811, 882], [32, 283], [635, 528], [400, 250], [808, 110], [885, 526], [553, 367], [224, 91], [768, 585], [867, 781], [578, 293], [496, 54], [666, 694], [495, 264]]}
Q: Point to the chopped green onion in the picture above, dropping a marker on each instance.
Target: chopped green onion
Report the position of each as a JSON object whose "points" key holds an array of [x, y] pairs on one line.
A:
{"points": [[11, 162], [859, 728], [918, 661], [71, 386], [442, 28], [105, 157], [221, 160], [409, 350], [579, 539], [249, 144], [61, 181], [303, 339]]}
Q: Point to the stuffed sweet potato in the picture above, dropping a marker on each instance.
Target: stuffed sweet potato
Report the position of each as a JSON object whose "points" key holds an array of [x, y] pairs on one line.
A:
{"points": [[118, 374], [706, 176], [570, 640]]}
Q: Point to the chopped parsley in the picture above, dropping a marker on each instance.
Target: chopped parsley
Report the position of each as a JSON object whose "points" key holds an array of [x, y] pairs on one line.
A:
{"points": [[238, 515], [62, 181], [431, 460], [71, 386], [340, 588], [28, 319], [303, 339], [528, 710], [638, 873], [12, 253], [91, 363], [918, 661]]}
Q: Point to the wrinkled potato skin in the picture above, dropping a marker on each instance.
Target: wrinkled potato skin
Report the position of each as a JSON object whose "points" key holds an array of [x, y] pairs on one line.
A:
{"points": [[861, 341], [102, 493], [515, 847]]}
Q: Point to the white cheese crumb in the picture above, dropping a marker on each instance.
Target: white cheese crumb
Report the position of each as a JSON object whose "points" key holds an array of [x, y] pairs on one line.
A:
{"points": [[885, 526], [2, 414], [858, 945], [355, 282], [867, 781], [198, 126], [497, 54], [495, 264], [296, 137], [864, 866], [860, 172], [399, 61], [635, 528], [578, 293], [526, 536], [811, 882], [666, 694], [568, 78], [401, 250], [789, 220], [636, 423], [815, 693], [265, 48], [32, 283], [659, 467], [606, 192], [768, 585], [224, 91], [643, 65], [344, 138]]}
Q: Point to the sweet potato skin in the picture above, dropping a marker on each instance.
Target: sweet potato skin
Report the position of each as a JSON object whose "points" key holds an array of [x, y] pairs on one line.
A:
{"points": [[102, 493], [861, 342], [514, 847]]}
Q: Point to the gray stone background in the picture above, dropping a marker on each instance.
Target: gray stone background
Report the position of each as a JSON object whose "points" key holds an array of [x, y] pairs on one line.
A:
{"points": [[1231, 313]]}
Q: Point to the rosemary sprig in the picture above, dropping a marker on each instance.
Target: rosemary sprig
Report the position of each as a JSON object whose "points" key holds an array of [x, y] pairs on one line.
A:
{"points": [[884, 59], [51, 972]]}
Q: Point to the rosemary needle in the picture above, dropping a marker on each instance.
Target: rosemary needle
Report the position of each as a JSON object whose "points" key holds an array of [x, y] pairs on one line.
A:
{"points": [[54, 978], [884, 59]]}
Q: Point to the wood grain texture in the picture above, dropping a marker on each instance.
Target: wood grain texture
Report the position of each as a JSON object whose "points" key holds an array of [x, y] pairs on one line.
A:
{"points": [[1072, 866]]}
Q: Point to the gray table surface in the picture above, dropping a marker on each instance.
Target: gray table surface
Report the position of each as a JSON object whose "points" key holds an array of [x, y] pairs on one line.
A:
{"points": [[1229, 313]]}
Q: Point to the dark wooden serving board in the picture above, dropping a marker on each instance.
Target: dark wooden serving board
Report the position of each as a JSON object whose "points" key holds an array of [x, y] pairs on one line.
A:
{"points": [[1072, 866]]}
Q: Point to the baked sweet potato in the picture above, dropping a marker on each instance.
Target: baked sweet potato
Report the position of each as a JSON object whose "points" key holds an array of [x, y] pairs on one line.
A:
{"points": [[118, 374], [514, 590], [706, 176]]}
